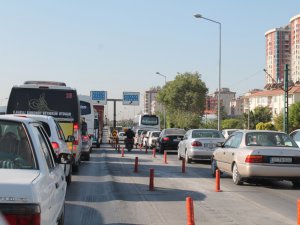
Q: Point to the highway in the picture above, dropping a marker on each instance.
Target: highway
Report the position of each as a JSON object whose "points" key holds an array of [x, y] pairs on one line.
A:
{"points": [[106, 190]]}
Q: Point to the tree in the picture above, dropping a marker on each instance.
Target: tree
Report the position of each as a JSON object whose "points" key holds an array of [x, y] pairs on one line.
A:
{"points": [[278, 122], [232, 124], [265, 126], [184, 99], [294, 116]]}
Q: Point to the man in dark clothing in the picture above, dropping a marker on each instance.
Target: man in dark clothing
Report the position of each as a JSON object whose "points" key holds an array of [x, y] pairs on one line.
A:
{"points": [[129, 134]]}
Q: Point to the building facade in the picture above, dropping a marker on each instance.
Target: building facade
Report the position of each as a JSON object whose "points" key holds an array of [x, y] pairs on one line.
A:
{"points": [[295, 48]]}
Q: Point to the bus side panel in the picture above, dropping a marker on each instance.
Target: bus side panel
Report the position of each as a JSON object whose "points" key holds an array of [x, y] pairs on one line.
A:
{"points": [[68, 130]]}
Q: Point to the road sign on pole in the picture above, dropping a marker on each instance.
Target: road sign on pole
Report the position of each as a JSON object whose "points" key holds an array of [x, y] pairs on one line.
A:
{"points": [[99, 97], [131, 98]]}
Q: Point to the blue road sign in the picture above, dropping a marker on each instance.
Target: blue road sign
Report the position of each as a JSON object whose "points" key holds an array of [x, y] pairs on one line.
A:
{"points": [[131, 98], [99, 97]]}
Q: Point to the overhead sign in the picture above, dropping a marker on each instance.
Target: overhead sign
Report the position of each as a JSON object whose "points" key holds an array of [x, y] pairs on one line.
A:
{"points": [[99, 97], [131, 98]]}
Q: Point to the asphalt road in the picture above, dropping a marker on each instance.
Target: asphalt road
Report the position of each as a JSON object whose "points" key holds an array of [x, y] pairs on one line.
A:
{"points": [[106, 190]]}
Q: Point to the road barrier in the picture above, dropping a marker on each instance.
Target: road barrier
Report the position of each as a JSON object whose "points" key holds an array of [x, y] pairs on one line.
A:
{"points": [[154, 152], [165, 157], [151, 180], [136, 162], [189, 211], [298, 203], [183, 166], [122, 151], [218, 181]]}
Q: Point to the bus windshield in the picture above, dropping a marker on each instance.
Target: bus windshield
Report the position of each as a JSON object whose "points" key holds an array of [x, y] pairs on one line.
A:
{"points": [[149, 120]]}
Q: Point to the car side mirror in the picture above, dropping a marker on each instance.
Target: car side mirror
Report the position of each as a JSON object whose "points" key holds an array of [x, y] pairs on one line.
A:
{"points": [[70, 138], [64, 158], [220, 144]]}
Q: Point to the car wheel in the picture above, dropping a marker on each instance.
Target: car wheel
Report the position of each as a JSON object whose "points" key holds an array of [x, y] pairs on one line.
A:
{"points": [[69, 177], [236, 177], [296, 183], [178, 155], [75, 167], [61, 219], [213, 167], [187, 159]]}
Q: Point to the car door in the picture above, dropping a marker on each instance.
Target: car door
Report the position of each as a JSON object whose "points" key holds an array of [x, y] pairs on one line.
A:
{"points": [[55, 179], [183, 144], [231, 149]]}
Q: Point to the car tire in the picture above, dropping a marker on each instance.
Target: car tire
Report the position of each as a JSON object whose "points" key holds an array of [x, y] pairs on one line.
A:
{"points": [[187, 159], [61, 220], [69, 177], [213, 167], [75, 167], [296, 183], [236, 177]]}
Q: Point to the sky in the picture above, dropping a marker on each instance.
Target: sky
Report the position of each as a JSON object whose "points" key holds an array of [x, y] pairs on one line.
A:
{"points": [[119, 45]]}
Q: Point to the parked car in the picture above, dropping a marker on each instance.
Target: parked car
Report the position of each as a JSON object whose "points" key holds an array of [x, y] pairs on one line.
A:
{"points": [[86, 147], [199, 144], [151, 138], [227, 132], [169, 139], [56, 137], [32, 182], [296, 136], [253, 154]]}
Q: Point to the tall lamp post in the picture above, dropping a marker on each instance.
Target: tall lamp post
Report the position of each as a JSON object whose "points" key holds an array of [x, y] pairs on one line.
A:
{"points": [[158, 73], [198, 16]]}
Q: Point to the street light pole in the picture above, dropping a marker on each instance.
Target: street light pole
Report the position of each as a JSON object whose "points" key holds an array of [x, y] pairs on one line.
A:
{"points": [[198, 16], [158, 73]]}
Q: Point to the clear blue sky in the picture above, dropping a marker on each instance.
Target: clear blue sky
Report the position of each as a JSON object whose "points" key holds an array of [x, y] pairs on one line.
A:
{"points": [[119, 45]]}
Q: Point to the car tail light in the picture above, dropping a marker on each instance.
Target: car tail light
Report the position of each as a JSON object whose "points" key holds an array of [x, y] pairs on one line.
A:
{"points": [[166, 139], [85, 138], [254, 159], [21, 214], [55, 145], [196, 144]]}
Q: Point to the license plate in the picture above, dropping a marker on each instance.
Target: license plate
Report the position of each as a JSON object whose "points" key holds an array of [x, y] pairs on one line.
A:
{"points": [[280, 160], [209, 145]]}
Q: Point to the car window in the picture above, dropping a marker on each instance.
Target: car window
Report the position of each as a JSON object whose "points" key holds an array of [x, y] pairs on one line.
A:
{"points": [[270, 139], [15, 147], [47, 128], [44, 148], [236, 140], [228, 142], [155, 134], [206, 134], [296, 136], [59, 131]]}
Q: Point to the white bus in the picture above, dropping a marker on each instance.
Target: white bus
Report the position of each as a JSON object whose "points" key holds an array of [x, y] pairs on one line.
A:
{"points": [[144, 123], [91, 118]]}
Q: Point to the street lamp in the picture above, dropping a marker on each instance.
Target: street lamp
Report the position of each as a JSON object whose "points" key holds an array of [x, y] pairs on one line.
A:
{"points": [[158, 73], [198, 16]]}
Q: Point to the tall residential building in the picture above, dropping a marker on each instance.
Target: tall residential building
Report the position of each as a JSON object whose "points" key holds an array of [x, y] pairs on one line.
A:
{"points": [[151, 106], [225, 97], [295, 48], [278, 51]]}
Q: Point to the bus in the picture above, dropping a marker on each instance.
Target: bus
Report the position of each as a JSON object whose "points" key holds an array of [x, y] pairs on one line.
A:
{"points": [[91, 118], [52, 99], [147, 122], [143, 123]]}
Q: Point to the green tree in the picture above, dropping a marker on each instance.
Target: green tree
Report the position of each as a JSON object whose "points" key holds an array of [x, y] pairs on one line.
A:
{"points": [[232, 124], [265, 126], [262, 114], [294, 116], [278, 122], [184, 99]]}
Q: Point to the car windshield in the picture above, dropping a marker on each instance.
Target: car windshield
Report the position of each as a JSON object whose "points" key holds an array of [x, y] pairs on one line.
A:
{"points": [[15, 148], [155, 134], [206, 134], [269, 139]]}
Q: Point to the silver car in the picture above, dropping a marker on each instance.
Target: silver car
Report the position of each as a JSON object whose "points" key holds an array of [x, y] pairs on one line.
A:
{"points": [[250, 155], [199, 144]]}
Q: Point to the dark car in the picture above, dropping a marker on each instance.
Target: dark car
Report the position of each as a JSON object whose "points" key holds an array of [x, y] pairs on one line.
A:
{"points": [[169, 139]]}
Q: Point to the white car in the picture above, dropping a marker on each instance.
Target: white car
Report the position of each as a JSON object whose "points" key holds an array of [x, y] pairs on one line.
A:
{"points": [[121, 136], [56, 137], [199, 144], [151, 138], [32, 182], [227, 132]]}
